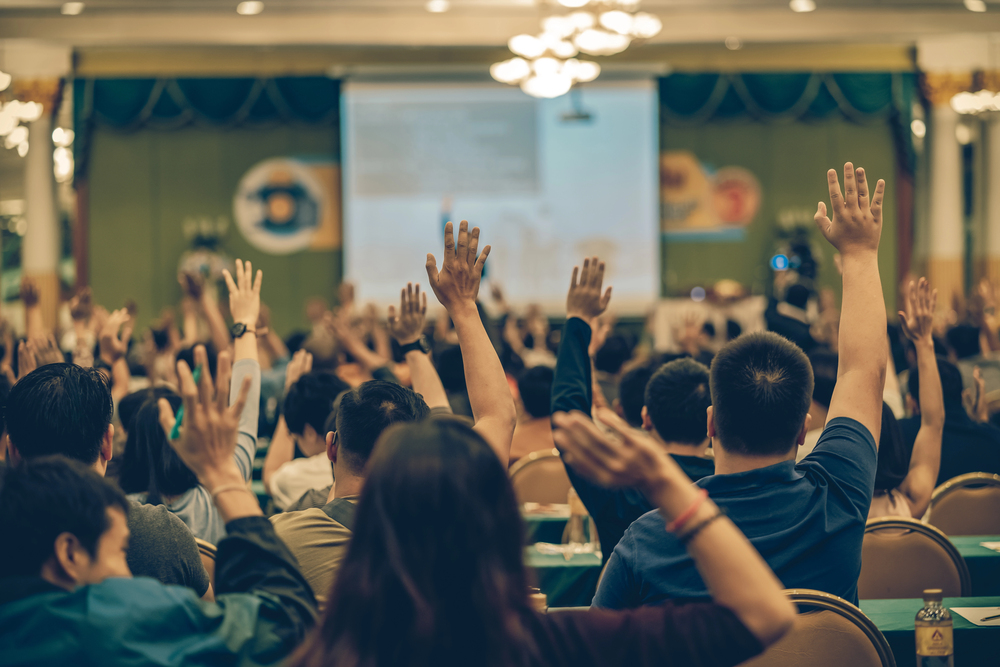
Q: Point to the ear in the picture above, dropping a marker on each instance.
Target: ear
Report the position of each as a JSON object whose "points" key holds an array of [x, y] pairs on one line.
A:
{"points": [[801, 437], [331, 447], [71, 559], [647, 423], [107, 443], [711, 422]]}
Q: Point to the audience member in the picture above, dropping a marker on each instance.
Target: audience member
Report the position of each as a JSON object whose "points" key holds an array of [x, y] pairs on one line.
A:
{"points": [[632, 394], [66, 596], [533, 432], [675, 414], [966, 445], [824, 368], [437, 559], [807, 520]]}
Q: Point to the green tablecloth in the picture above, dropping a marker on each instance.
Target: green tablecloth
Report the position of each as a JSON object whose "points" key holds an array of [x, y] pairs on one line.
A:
{"points": [[974, 646], [544, 528], [566, 583], [984, 564]]}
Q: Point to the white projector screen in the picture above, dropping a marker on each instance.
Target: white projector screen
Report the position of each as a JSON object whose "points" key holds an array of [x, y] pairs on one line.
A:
{"points": [[545, 190]]}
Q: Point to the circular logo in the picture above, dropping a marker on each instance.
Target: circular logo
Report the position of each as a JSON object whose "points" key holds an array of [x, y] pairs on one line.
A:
{"points": [[278, 206], [779, 263]]}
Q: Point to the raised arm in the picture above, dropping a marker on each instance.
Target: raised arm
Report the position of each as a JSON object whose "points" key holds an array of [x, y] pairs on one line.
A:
{"points": [[735, 574], [573, 383], [244, 306], [456, 286], [925, 462], [33, 321], [282, 447], [113, 340], [854, 230], [407, 327]]}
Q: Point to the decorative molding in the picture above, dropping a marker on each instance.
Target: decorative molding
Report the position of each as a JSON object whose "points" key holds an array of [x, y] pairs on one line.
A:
{"points": [[44, 91], [940, 87]]}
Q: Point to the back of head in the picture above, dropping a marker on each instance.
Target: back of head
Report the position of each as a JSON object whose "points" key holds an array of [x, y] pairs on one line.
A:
{"points": [[435, 555], [45, 497], [451, 368], [951, 382], [824, 364], [128, 407], [963, 339], [311, 401], [612, 355], [535, 387], [762, 386], [367, 411], [4, 393], [677, 397], [798, 296], [150, 464], [60, 409], [893, 454], [632, 393]]}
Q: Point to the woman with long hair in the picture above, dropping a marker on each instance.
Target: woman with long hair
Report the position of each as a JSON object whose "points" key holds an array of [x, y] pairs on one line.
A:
{"points": [[434, 574]]}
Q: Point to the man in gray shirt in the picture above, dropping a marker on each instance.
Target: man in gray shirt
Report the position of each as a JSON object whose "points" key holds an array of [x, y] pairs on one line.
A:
{"points": [[67, 409]]}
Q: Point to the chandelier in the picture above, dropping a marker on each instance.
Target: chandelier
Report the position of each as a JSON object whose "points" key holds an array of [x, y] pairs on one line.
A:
{"points": [[546, 64], [11, 114]]}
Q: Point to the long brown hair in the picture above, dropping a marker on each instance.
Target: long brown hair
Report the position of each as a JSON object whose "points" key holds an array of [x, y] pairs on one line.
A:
{"points": [[434, 573]]}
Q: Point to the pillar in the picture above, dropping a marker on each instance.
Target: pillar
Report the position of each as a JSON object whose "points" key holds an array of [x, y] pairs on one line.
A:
{"points": [[992, 180]]}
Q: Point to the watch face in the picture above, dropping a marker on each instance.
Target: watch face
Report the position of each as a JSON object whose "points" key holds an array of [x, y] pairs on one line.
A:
{"points": [[238, 329], [425, 346]]}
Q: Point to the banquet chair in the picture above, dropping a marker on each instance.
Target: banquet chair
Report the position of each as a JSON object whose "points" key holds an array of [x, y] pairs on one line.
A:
{"points": [[900, 558], [207, 552], [967, 505], [540, 477], [829, 632]]}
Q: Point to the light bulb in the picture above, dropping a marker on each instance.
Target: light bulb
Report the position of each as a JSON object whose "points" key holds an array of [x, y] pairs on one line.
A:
{"points": [[802, 6], [5, 80], [547, 86], [617, 21], [733, 43], [646, 25], [581, 70], [22, 148], [919, 128], [528, 46], [437, 6], [29, 111], [18, 136], [560, 26], [574, 4], [510, 71], [581, 20], [975, 5], [546, 66], [601, 43], [250, 8]]}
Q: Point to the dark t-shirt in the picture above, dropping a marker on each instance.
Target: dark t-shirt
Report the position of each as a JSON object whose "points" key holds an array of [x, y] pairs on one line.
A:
{"points": [[695, 467], [966, 446], [807, 520], [162, 547]]}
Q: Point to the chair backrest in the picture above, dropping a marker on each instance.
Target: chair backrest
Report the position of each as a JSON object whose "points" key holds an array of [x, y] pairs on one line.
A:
{"points": [[830, 632], [540, 477], [967, 505], [207, 552], [900, 558]]}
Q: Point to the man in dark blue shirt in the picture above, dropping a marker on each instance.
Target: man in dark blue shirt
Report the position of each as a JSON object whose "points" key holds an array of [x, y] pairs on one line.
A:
{"points": [[677, 397], [807, 520]]}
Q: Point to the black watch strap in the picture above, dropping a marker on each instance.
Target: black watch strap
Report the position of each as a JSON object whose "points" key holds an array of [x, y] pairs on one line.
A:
{"points": [[420, 344], [239, 329]]}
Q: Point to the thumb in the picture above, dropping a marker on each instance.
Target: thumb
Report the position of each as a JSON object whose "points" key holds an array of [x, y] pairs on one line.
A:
{"points": [[432, 271], [167, 417]]}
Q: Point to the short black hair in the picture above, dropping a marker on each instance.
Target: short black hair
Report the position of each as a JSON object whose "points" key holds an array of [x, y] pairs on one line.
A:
{"points": [[893, 453], [733, 329], [951, 382], [4, 393], [60, 409], [963, 339], [613, 354], [128, 407], [370, 409], [535, 387], [762, 386], [677, 397], [451, 368], [311, 400], [798, 296], [824, 364], [632, 393], [44, 497]]}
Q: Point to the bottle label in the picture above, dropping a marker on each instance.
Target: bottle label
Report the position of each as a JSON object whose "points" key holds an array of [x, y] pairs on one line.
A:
{"points": [[935, 640]]}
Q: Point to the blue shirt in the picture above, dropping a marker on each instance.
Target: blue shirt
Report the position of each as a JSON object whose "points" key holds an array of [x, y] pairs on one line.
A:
{"points": [[807, 520]]}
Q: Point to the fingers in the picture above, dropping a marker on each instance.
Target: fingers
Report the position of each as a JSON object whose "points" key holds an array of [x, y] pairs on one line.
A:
{"points": [[481, 261], [423, 304], [911, 299], [606, 299], [862, 189], [850, 186], [188, 388], [224, 371], [408, 300], [933, 301], [258, 281], [597, 278], [236, 409], [836, 199], [167, 417], [585, 273], [576, 273], [903, 325], [876, 206], [822, 221], [392, 316], [230, 283], [307, 364], [205, 380], [473, 255], [449, 242], [431, 266], [462, 249]]}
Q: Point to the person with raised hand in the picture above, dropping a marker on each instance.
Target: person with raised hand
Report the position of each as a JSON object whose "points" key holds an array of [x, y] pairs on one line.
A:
{"points": [[901, 488], [456, 286], [806, 519], [69, 577], [407, 327], [113, 340], [244, 307]]}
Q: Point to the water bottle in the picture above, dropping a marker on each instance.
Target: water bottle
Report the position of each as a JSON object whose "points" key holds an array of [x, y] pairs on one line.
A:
{"points": [[935, 641]]}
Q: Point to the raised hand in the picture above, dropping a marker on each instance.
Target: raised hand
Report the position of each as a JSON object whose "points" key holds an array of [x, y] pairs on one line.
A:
{"points": [[29, 292], [47, 351], [457, 283], [26, 360], [115, 336], [407, 326], [210, 425], [857, 222], [917, 322], [81, 306], [244, 293], [192, 284], [585, 299], [301, 363]]}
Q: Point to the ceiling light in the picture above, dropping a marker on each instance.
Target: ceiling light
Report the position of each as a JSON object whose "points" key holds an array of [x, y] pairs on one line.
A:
{"points": [[510, 71], [528, 46], [733, 43], [71, 8], [802, 6], [646, 25], [561, 26], [975, 5], [250, 8], [5, 80], [581, 20], [62, 136], [18, 136], [437, 6], [617, 21], [919, 128], [22, 148], [581, 70], [547, 86], [601, 43], [573, 3]]}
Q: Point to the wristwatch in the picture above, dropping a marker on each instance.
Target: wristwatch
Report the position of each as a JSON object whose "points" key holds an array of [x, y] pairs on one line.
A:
{"points": [[239, 329], [420, 344]]}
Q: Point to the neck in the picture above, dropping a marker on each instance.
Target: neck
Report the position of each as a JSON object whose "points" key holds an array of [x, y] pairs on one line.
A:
{"points": [[819, 415], [728, 463], [683, 448], [346, 483]]}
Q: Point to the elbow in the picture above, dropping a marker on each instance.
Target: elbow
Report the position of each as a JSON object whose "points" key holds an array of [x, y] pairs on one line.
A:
{"points": [[775, 621]]}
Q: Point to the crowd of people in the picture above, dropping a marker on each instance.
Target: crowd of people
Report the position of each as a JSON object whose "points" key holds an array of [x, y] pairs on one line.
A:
{"points": [[716, 476]]}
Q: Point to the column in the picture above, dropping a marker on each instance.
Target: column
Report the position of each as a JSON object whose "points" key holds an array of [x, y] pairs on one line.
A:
{"points": [[40, 251], [992, 180]]}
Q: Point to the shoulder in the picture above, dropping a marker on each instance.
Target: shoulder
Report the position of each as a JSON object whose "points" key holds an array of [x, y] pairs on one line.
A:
{"points": [[152, 517]]}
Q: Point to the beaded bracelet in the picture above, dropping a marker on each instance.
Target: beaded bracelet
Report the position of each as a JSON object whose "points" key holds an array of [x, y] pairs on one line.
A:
{"points": [[686, 515], [690, 535]]}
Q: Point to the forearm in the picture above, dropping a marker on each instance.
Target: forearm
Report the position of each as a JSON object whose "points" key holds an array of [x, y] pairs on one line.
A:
{"points": [[425, 380], [362, 353], [219, 330], [34, 323], [120, 379], [246, 439], [279, 452], [571, 385], [931, 395], [925, 462], [489, 393]]}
